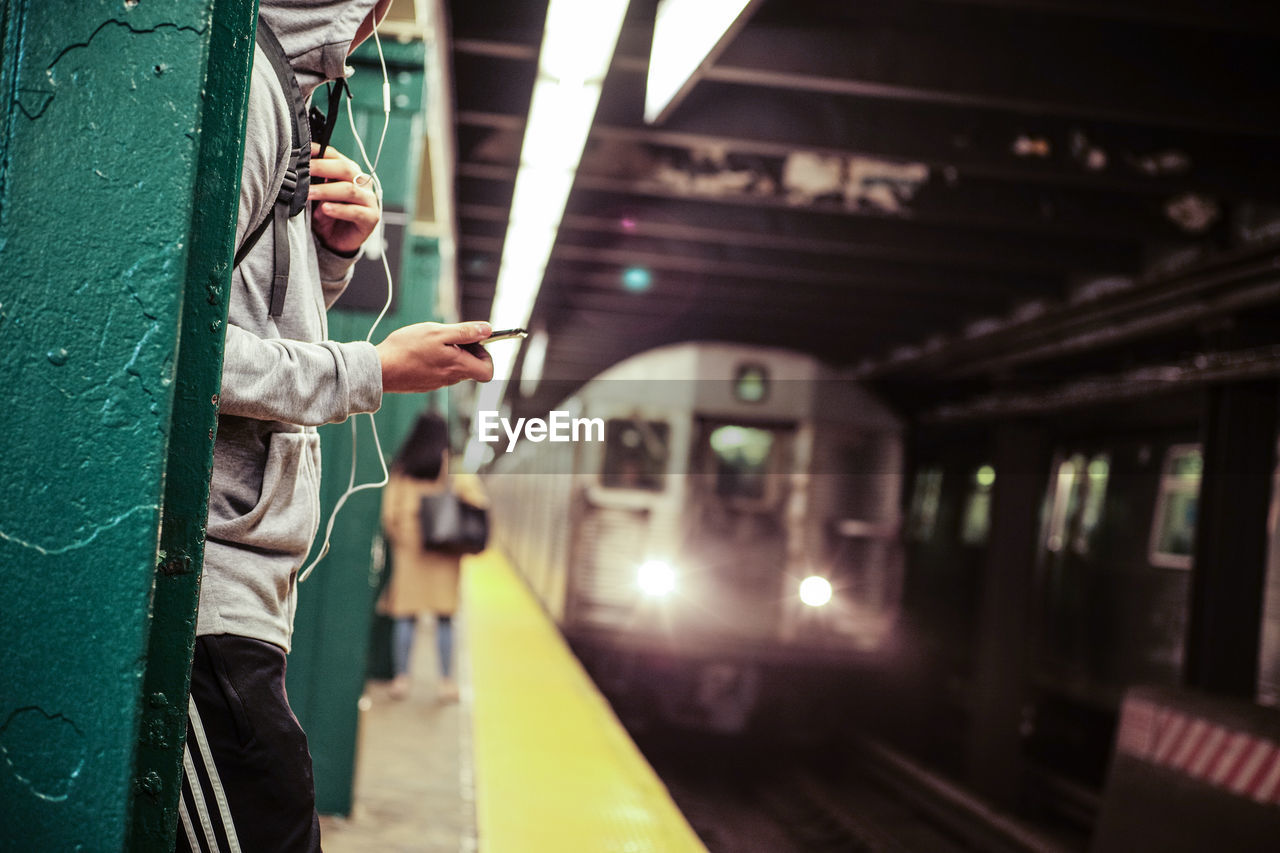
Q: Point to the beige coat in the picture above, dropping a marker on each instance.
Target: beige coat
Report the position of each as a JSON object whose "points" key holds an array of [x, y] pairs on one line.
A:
{"points": [[421, 580]]}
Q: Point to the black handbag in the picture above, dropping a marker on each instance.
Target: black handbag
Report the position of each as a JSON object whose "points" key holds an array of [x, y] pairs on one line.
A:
{"points": [[451, 525]]}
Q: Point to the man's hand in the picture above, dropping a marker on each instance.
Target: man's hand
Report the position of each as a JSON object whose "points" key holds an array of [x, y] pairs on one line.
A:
{"points": [[426, 356], [346, 208]]}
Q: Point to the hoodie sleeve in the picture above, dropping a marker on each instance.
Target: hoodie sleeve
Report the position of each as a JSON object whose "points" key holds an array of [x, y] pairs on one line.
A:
{"points": [[296, 382], [335, 271], [266, 376]]}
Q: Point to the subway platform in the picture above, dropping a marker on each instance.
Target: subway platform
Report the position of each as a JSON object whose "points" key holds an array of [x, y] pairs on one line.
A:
{"points": [[529, 759]]}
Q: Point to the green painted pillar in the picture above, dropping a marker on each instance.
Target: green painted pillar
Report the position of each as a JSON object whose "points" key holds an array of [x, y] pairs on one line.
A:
{"points": [[119, 161], [327, 665]]}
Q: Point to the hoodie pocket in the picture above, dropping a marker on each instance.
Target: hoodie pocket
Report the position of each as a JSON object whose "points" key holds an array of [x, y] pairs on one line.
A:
{"points": [[287, 513]]}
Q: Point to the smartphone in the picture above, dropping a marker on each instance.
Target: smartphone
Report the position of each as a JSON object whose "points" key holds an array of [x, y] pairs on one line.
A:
{"points": [[477, 349], [504, 335]]}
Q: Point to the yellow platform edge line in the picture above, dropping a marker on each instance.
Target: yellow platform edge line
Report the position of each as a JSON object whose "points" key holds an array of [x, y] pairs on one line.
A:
{"points": [[555, 770]]}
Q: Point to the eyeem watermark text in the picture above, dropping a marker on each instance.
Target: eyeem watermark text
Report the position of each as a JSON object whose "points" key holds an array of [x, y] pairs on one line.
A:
{"points": [[558, 427]]}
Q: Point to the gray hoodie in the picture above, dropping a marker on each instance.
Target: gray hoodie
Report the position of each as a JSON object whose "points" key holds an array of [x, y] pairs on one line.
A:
{"points": [[280, 377]]}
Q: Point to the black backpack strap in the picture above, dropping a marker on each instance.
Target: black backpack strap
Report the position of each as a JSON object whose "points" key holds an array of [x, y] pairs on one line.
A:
{"points": [[292, 197], [297, 179], [322, 124]]}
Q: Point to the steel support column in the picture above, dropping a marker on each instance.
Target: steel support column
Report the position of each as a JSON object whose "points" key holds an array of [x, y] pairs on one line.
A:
{"points": [[1021, 459], [1228, 580], [120, 143]]}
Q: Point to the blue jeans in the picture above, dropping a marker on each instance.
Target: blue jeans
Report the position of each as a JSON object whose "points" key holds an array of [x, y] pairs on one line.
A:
{"points": [[402, 643]]}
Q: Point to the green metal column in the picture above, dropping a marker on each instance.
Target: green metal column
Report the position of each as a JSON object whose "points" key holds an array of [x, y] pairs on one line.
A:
{"points": [[119, 162], [335, 605]]}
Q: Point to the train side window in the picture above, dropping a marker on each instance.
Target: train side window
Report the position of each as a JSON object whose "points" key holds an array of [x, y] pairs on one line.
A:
{"points": [[926, 497], [1173, 532], [976, 523], [1079, 493], [742, 456], [635, 454]]}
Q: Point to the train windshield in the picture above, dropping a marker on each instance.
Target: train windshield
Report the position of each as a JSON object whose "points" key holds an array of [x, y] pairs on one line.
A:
{"points": [[635, 454], [742, 458]]}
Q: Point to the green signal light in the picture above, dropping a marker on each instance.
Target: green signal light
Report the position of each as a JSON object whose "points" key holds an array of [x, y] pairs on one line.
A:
{"points": [[637, 279]]}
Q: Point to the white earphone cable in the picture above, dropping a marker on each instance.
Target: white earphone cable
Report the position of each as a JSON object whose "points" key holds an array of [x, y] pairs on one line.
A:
{"points": [[352, 488]]}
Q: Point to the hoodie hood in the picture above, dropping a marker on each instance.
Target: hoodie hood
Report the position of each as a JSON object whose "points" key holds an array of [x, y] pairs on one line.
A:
{"points": [[316, 35]]}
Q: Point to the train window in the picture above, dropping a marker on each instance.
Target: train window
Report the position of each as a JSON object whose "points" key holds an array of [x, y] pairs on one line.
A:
{"points": [[1080, 490], [635, 454], [926, 497], [741, 460], [1174, 529], [976, 523]]}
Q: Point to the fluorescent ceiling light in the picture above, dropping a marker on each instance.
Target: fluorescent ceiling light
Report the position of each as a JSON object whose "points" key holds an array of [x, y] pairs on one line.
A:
{"points": [[577, 48], [519, 278], [560, 116], [685, 33], [537, 190], [579, 39]]}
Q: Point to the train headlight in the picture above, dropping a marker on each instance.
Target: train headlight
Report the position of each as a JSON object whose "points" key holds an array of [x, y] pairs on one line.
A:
{"points": [[656, 578], [815, 591]]}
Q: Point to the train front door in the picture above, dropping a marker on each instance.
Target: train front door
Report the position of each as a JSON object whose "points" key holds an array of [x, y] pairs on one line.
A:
{"points": [[736, 534]]}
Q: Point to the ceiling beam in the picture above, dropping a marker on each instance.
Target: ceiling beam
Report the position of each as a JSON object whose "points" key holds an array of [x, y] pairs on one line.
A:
{"points": [[1239, 16], [864, 276], [974, 204], [1238, 281], [831, 341], [625, 317], [952, 300], [981, 143], [1098, 70], [818, 234]]}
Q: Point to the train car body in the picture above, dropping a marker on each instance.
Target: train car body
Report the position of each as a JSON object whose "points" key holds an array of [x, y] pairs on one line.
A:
{"points": [[1110, 586], [733, 536]]}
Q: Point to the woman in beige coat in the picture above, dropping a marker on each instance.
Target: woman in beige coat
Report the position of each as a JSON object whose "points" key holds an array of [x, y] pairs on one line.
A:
{"points": [[422, 580]]}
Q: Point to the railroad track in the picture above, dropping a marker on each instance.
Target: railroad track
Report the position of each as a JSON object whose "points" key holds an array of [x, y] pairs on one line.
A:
{"points": [[741, 801]]}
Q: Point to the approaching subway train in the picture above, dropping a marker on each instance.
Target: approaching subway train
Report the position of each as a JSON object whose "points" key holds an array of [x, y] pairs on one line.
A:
{"points": [[728, 547]]}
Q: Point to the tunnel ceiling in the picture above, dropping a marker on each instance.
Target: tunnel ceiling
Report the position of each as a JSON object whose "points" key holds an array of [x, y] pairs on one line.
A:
{"points": [[869, 181]]}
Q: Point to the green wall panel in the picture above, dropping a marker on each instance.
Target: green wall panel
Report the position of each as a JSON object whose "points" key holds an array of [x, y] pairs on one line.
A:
{"points": [[100, 147], [335, 605], [327, 665]]}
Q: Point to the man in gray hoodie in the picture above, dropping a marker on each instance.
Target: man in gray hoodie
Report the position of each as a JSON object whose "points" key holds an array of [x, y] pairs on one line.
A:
{"points": [[248, 783]]}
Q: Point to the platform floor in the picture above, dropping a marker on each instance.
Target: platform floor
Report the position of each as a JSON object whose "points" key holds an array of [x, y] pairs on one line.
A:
{"points": [[414, 789], [530, 759]]}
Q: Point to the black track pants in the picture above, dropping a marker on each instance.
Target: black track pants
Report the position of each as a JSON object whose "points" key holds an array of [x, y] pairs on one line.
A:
{"points": [[247, 784]]}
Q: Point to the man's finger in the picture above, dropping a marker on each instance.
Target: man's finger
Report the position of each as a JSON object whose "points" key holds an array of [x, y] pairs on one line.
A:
{"points": [[358, 213], [465, 333], [335, 168], [330, 153], [337, 172], [343, 191]]}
